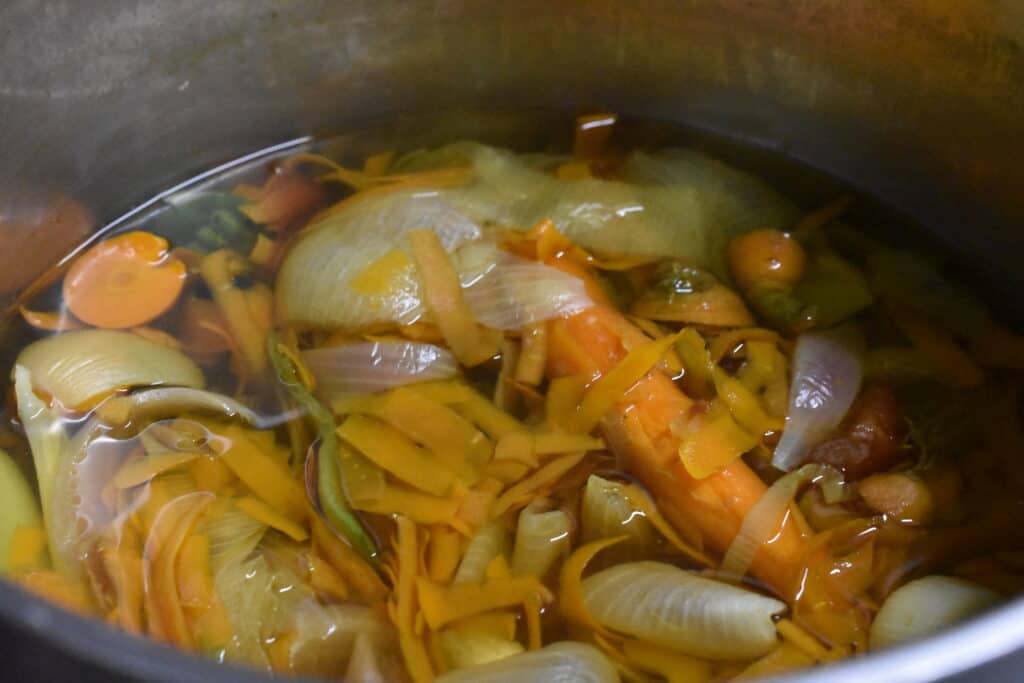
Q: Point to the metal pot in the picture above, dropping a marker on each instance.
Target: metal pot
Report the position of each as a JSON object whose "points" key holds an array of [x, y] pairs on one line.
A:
{"points": [[104, 103]]}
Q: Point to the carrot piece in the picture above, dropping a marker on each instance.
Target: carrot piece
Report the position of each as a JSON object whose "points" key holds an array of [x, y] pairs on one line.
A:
{"points": [[247, 324], [124, 281], [766, 256], [674, 666], [525, 489], [203, 327], [402, 607], [419, 507], [442, 293], [516, 447], [349, 564], [391, 450], [325, 579], [260, 511], [60, 321], [534, 631], [570, 579], [444, 553], [261, 473], [171, 527], [442, 605], [283, 198], [494, 421], [59, 589], [534, 354], [475, 507], [617, 380], [958, 368], [459, 445], [28, 549], [710, 441], [205, 613], [783, 659], [638, 430], [718, 306], [819, 218], [122, 559], [210, 474]]}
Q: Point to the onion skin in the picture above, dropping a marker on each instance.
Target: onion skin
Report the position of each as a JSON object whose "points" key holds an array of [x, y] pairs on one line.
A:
{"points": [[762, 520], [668, 606], [827, 373], [541, 539], [927, 605], [563, 662], [606, 512], [369, 367], [508, 292], [490, 541], [315, 282]]}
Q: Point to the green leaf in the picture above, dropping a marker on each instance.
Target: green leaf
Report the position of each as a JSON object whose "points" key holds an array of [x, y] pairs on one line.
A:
{"points": [[208, 222], [832, 289]]}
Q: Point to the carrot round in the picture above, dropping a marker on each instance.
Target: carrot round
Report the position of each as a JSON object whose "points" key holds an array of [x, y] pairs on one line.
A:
{"points": [[124, 281], [766, 256]]}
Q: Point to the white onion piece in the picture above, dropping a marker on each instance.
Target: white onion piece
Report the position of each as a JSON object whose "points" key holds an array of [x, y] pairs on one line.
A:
{"points": [[489, 542], [667, 606], [563, 662], [606, 512], [81, 366], [507, 292], [369, 367], [314, 282], [51, 455], [739, 199], [541, 539], [690, 214], [362, 665], [162, 402], [762, 520], [827, 372], [927, 605]]}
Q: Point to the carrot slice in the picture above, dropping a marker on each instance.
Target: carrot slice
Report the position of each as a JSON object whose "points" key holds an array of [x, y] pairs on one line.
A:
{"points": [[471, 343], [124, 281]]}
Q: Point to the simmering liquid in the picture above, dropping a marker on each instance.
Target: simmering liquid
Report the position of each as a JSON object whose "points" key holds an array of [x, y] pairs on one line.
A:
{"points": [[610, 406]]}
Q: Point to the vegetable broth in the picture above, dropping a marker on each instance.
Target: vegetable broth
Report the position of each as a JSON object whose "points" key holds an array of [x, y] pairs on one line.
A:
{"points": [[366, 410]]}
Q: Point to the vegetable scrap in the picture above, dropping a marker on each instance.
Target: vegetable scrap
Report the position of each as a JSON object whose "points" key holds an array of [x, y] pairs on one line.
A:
{"points": [[465, 414]]}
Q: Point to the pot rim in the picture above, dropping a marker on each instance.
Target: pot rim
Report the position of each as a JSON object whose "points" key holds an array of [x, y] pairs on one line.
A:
{"points": [[981, 640]]}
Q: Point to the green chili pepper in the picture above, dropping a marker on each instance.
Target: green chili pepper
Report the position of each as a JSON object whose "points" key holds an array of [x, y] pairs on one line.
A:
{"points": [[329, 485]]}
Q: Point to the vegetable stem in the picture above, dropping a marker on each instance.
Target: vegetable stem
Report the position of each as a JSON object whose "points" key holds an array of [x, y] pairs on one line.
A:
{"points": [[329, 484]]}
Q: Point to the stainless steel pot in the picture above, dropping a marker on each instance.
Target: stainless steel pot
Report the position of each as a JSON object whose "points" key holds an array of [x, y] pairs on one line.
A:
{"points": [[104, 102]]}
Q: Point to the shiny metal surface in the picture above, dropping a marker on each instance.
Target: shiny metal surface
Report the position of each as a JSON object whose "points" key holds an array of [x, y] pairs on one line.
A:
{"points": [[105, 102]]}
